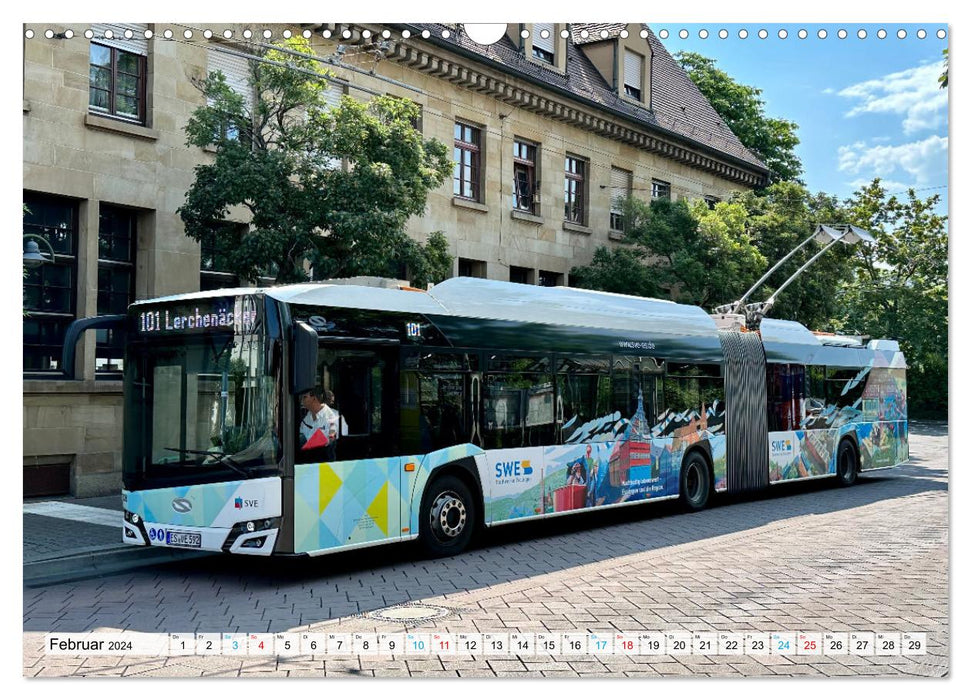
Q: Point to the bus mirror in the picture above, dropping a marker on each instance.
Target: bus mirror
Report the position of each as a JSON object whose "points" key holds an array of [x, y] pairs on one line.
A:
{"points": [[304, 366]]}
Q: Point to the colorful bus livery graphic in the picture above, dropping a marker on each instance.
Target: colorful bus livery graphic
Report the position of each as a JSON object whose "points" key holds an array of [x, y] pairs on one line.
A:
{"points": [[513, 402]]}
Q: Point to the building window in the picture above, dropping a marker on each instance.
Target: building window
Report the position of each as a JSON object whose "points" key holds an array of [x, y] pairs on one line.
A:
{"points": [[633, 74], [418, 121], [49, 290], [236, 70], [214, 270], [472, 268], [574, 190], [550, 279], [117, 84], [543, 46], [660, 189], [520, 275], [524, 176], [620, 189], [711, 201], [116, 281], [467, 170]]}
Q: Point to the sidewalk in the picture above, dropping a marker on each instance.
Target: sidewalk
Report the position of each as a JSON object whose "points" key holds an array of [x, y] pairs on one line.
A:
{"points": [[69, 538]]}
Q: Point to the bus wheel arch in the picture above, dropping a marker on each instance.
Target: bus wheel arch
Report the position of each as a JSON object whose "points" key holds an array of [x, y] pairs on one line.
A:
{"points": [[451, 510], [696, 478], [847, 460]]}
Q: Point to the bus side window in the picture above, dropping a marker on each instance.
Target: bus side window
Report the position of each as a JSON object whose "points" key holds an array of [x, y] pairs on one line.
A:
{"points": [[443, 394], [815, 403], [517, 402], [635, 378], [583, 391], [785, 387], [845, 386], [694, 399]]}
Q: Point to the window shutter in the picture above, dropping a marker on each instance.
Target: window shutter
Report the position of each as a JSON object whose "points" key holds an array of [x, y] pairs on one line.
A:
{"points": [[237, 72], [619, 187], [334, 94], [633, 69], [539, 42], [137, 44]]}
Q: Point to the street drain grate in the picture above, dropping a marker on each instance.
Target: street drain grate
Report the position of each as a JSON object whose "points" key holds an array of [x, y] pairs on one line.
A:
{"points": [[410, 613]]}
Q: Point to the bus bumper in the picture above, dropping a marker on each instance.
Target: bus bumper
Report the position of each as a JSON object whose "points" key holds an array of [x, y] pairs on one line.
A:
{"points": [[254, 537]]}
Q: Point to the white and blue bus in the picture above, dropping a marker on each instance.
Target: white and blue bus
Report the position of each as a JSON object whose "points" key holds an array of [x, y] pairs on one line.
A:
{"points": [[471, 405]]}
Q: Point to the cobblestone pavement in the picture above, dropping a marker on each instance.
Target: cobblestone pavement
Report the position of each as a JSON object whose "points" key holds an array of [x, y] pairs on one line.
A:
{"points": [[808, 557]]}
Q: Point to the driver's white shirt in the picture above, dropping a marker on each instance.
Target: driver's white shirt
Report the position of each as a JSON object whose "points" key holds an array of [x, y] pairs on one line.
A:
{"points": [[312, 423], [327, 420]]}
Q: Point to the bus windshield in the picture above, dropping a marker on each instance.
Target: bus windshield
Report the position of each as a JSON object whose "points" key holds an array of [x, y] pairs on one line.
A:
{"points": [[200, 406]]}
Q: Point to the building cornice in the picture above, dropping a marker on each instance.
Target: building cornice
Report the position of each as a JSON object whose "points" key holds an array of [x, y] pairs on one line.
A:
{"points": [[516, 91]]}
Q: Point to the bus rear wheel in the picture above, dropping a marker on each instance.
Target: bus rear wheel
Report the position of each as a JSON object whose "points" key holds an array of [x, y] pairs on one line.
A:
{"points": [[447, 517], [846, 463], [695, 482]]}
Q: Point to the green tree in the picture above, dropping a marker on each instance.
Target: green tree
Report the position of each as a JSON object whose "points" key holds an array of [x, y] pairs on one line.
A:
{"points": [[711, 256], [772, 139], [692, 253], [900, 287], [779, 219], [429, 263], [334, 187], [942, 80]]}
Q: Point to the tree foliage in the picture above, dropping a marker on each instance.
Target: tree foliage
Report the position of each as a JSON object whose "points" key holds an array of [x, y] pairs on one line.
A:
{"points": [[332, 186], [688, 252], [772, 139], [900, 287]]}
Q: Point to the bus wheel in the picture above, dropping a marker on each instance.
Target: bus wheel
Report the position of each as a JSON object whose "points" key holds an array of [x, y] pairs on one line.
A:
{"points": [[846, 470], [448, 517], [695, 483]]}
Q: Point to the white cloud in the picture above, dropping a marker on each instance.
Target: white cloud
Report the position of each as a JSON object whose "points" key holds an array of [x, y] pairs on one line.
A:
{"points": [[914, 93], [888, 185], [919, 159]]}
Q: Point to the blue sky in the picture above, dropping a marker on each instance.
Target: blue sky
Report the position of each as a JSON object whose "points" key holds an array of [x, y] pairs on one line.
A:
{"points": [[865, 107]]}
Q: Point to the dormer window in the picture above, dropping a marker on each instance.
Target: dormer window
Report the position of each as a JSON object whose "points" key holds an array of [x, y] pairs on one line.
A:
{"points": [[544, 46], [633, 75]]}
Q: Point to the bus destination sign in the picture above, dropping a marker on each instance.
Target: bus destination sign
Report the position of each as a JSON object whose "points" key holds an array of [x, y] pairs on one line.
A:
{"points": [[238, 315]]}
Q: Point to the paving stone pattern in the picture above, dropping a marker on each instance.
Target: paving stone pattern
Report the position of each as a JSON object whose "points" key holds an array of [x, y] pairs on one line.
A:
{"points": [[809, 557]]}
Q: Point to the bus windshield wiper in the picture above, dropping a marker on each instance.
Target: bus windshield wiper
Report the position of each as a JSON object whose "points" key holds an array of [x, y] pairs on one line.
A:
{"points": [[221, 457]]}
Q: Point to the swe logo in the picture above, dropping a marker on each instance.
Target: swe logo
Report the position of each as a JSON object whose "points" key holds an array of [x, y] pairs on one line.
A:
{"points": [[513, 469], [782, 446]]}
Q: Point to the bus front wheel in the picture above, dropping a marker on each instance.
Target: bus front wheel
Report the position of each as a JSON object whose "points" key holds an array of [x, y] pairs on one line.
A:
{"points": [[448, 517], [695, 482], [846, 463]]}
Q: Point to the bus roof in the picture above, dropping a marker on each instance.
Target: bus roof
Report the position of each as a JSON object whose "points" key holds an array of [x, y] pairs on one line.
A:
{"points": [[485, 299], [792, 342], [693, 332]]}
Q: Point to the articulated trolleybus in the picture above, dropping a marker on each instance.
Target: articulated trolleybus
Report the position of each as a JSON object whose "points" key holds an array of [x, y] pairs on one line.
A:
{"points": [[307, 419]]}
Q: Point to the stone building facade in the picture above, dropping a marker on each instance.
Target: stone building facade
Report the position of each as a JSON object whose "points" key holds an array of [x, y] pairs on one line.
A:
{"points": [[549, 126]]}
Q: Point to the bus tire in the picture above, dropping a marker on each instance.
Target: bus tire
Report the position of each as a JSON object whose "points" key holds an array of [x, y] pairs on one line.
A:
{"points": [[695, 481], [447, 518], [847, 464]]}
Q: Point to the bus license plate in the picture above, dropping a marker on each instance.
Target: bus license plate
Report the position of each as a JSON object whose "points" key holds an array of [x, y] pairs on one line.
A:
{"points": [[183, 539]]}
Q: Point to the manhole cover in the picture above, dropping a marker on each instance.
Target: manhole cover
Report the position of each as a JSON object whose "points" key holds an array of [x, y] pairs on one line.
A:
{"points": [[410, 613]]}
